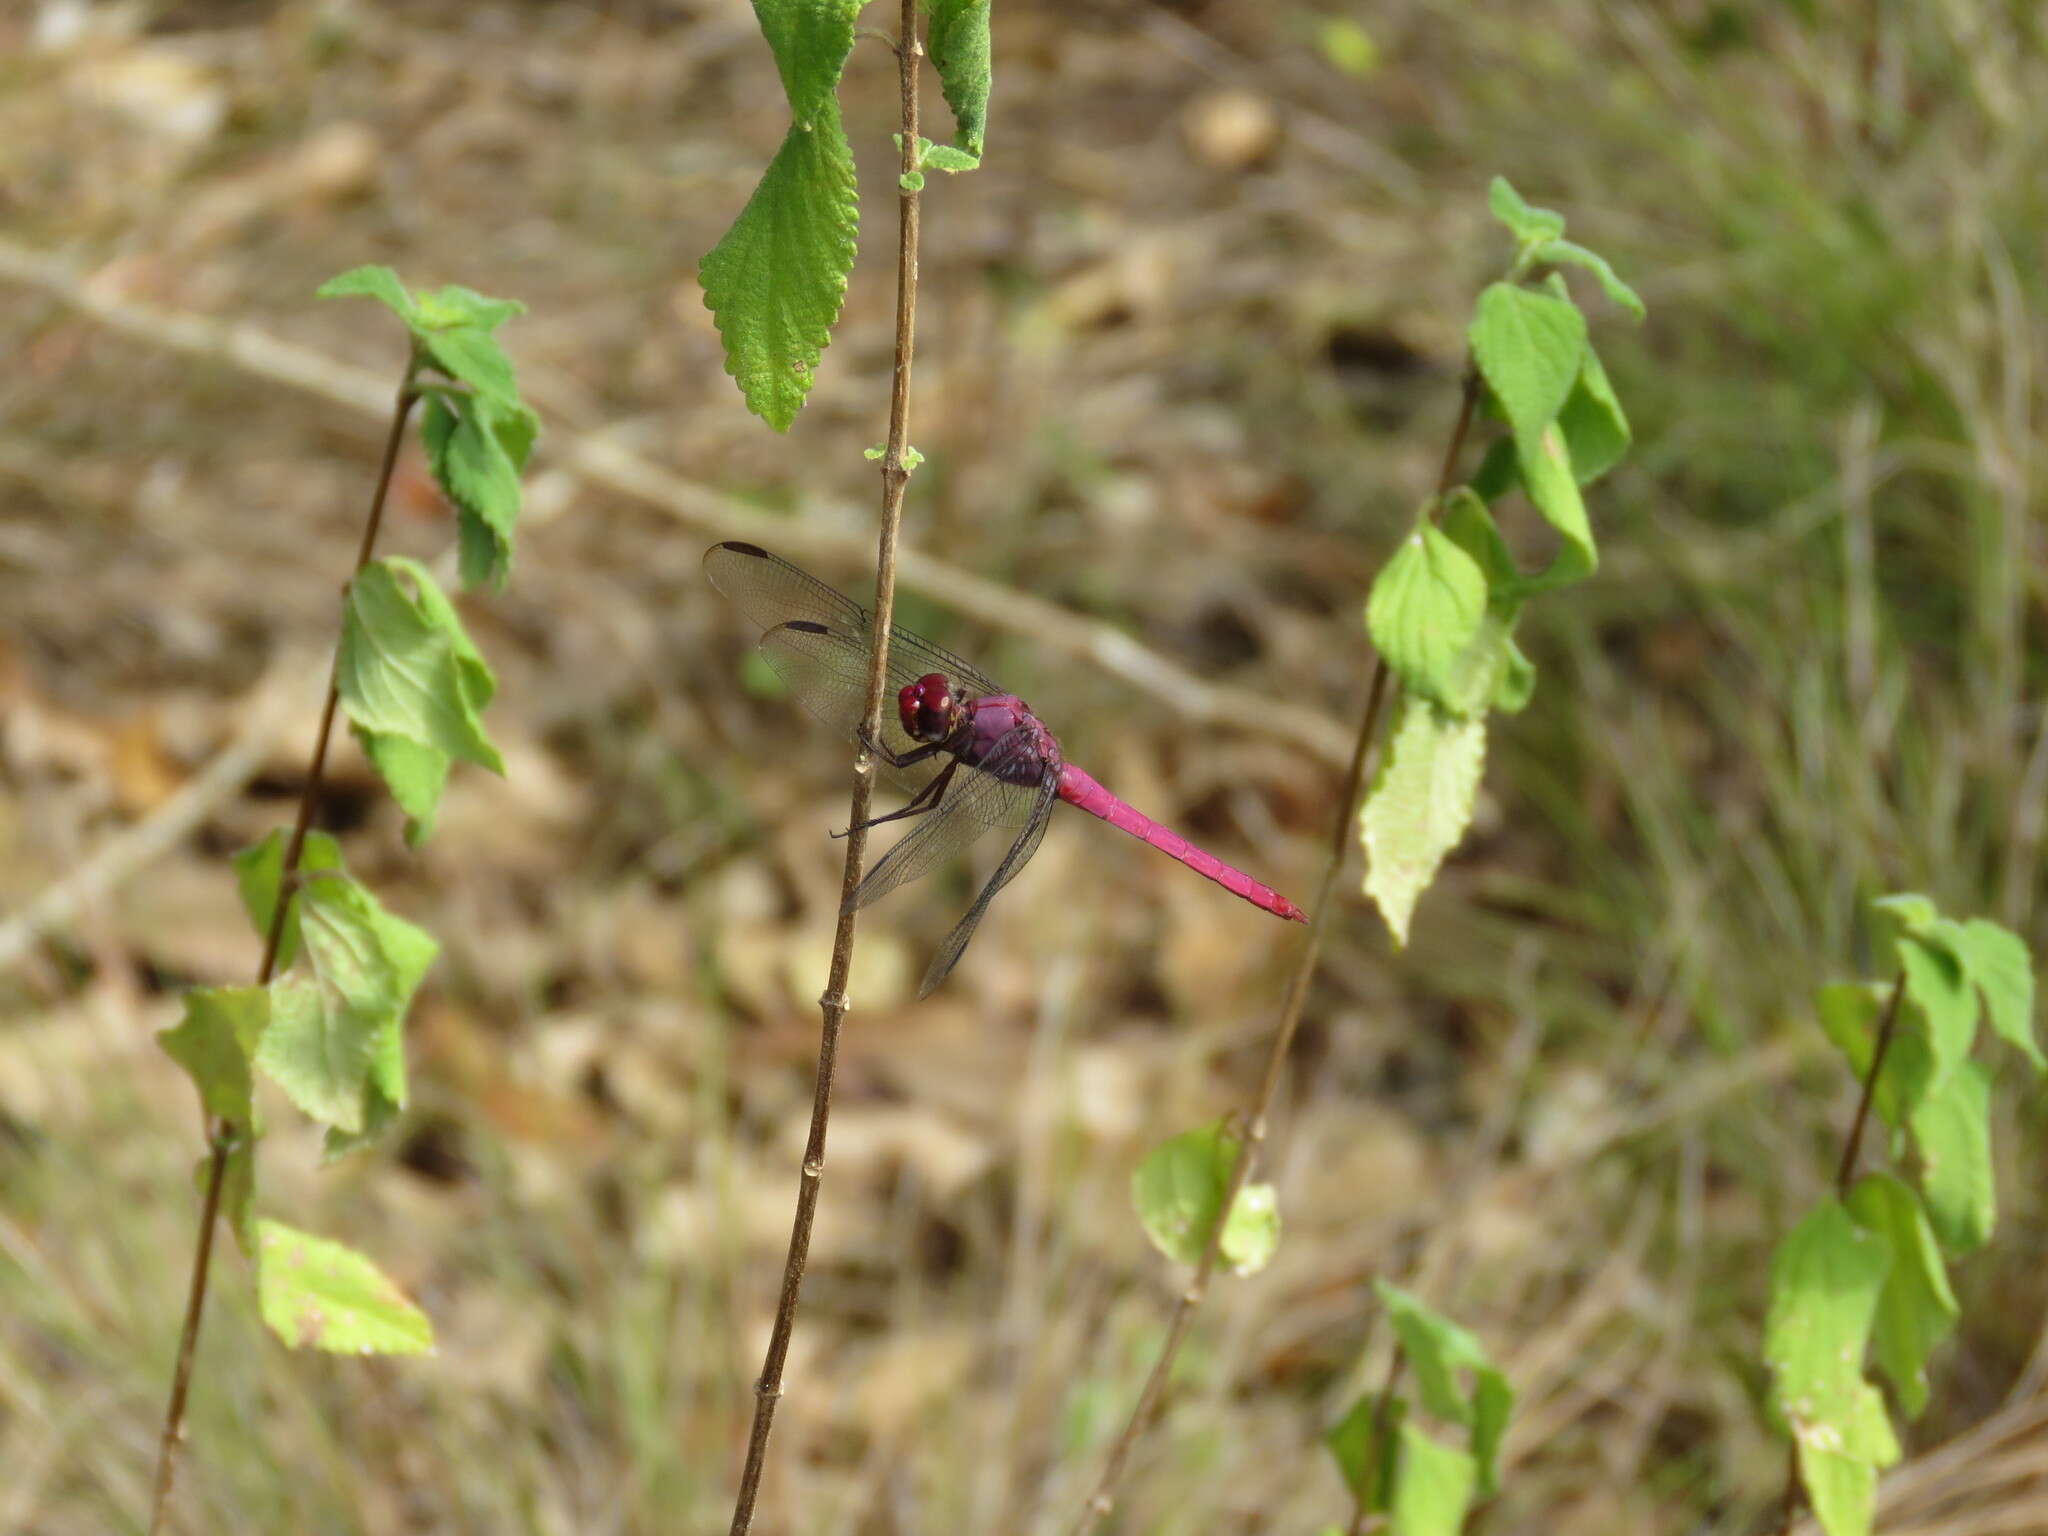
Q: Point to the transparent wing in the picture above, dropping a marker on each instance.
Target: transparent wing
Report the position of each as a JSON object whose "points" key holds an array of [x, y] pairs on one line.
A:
{"points": [[1026, 844], [980, 798], [772, 592]]}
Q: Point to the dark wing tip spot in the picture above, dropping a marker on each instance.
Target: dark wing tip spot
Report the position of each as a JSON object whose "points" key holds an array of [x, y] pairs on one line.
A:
{"points": [[805, 626], [739, 548]]}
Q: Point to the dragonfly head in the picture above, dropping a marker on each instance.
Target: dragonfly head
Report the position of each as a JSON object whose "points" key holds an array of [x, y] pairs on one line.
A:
{"points": [[929, 710]]}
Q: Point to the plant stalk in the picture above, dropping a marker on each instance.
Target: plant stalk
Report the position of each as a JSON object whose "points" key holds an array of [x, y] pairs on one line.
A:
{"points": [[1103, 1500], [1845, 1174], [222, 1134], [832, 1003]]}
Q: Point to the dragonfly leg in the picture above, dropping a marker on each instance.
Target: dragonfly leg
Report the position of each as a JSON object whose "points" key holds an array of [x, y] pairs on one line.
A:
{"points": [[932, 793], [908, 759]]}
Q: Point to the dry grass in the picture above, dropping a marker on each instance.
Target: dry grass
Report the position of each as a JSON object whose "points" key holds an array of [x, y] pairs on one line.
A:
{"points": [[1178, 377]]}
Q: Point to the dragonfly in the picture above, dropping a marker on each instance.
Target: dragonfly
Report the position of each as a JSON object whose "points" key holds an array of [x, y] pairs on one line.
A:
{"points": [[972, 755]]}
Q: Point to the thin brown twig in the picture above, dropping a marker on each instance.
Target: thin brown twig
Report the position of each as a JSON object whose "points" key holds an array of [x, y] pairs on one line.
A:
{"points": [[598, 459], [1103, 1500], [1845, 1173], [832, 1002], [223, 1134]]}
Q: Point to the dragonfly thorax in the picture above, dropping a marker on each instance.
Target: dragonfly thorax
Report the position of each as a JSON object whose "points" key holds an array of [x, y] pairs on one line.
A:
{"points": [[929, 711]]}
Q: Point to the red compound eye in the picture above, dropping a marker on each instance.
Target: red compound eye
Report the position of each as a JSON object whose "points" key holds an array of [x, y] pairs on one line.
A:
{"points": [[926, 708]]}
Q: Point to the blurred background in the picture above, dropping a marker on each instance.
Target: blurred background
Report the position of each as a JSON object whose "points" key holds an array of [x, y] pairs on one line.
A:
{"points": [[1188, 356]]}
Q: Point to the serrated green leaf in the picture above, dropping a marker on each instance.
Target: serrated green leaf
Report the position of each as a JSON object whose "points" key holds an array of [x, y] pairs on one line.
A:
{"points": [[1529, 348], [1354, 1442], [406, 668], [957, 38], [1938, 987], [215, 1042], [1420, 804], [1528, 225], [911, 181], [258, 872], [1432, 1487], [1952, 1128], [1425, 610], [327, 1029], [1997, 961], [776, 281], [1178, 1190], [1595, 430], [458, 308], [1826, 1278], [474, 357], [1913, 912], [317, 1294], [1618, 292], [477, 450], [1916, 1309], [1437, 1349], [371, 282]]}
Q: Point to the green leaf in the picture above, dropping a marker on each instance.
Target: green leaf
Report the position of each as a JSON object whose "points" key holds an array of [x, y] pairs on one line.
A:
{"points": [[1565, 253], [957, 38], [1952, 1128], [1468, 524], [320, 1295], [379, 283], [1528, 225], [258, 872], [459, 308], [477, 450], [1937, 986], [406, 668], [911, 181], [1179, 1188], [1826, 1281], [944, 157], [1841, 1478], [1916, 1309], [215, 1042], [1432, 1487], [1595, 430], [1826, 1278], [1517, 684], [416, 774], [1547, 475], [475, 358], [325, 1042], [1913, 913], [237, 1188], [1997, 961], [1529, 348], [1498, 471], [1420, 803], [776, 281], [1437, 1349], [1425, 610], [1367, 1473]]}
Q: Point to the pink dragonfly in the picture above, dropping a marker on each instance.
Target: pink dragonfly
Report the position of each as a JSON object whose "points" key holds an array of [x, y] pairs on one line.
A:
{"points": [[974, 756]]}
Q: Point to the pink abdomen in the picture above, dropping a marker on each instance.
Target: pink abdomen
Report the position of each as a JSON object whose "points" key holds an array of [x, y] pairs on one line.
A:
{"points": [[1078, 788]]}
